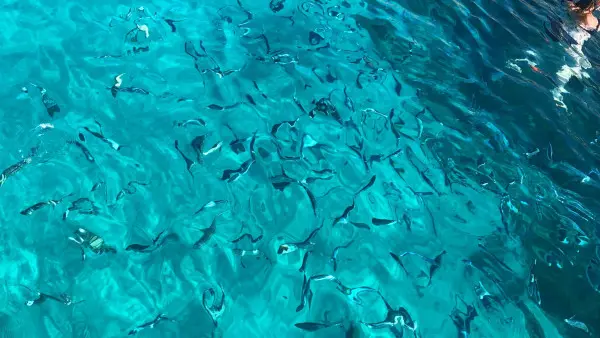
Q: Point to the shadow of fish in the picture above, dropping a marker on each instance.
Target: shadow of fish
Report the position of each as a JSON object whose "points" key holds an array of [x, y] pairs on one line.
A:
{"points": [[316, 326]]}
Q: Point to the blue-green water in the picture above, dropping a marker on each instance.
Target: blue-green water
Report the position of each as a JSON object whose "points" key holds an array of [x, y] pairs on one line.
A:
{"points": [[443, 179]]}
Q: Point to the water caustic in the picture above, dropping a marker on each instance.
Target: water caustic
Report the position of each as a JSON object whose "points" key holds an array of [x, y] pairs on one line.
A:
{"points": [[298, 168]]}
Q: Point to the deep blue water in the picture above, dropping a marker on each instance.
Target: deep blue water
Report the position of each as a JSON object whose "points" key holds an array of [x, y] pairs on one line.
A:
{"points": [[381, 168]]}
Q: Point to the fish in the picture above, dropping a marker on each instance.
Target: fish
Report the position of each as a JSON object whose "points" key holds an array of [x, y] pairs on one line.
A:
{"points": [[299, 105], [532, 286], [276, 5], [312, 198], [83, 206], [392, 318], [353, 293], [236, 145], [463, 324], [275, 128], [305, 294], [129, 189], [191, 51], [242, 253], [156, 243], [216, 309], [381, 157], [361, 225], [291, 247], [91, 241], [30, 210], [420, 128], [399, 261], [577, 324], [254, 82], [283, 157], [97, 186], [398, 86], [368, 185], [268, 51], [251, 146], [357, 151], [499, 261], [426, 259], [164, 239], [135, 90], [314, 71], [88, 155], [43, 297], [215, 107], [314, 38], [406, 320], [591, 274], [114, 90], [460, 219], [315, 326], [100, 135], [357, 82], [471, 206], [414, 160], [253, 240], [284, 58], [333, 258], [15, 168], [428, 212], [218, 107], [429, 182], [380, 221], [319, 278], [188, 162], [137, 50], [250, 99], [281, 184], [231, 175], [408, 221], [304, 261], [150, 324], [324, 171], [353, 331], [344, 215], [171, 24], [214, 148], [49, 103], [207, 234], [183, 123], [197, 144], [330, 77], [210, 204], [311, 180], [137, 247], [348, 101], [393, 129], [434, 267]]}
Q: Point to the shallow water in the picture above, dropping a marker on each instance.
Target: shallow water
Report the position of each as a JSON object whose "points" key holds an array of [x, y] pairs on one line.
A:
{"points": [[406, 130]]}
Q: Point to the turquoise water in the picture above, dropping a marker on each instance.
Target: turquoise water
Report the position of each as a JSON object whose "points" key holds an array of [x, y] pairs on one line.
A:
{"points": [[189, 169]]}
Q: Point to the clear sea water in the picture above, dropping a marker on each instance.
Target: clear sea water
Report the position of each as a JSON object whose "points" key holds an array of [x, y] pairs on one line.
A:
{"points": [[408, 133]]}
